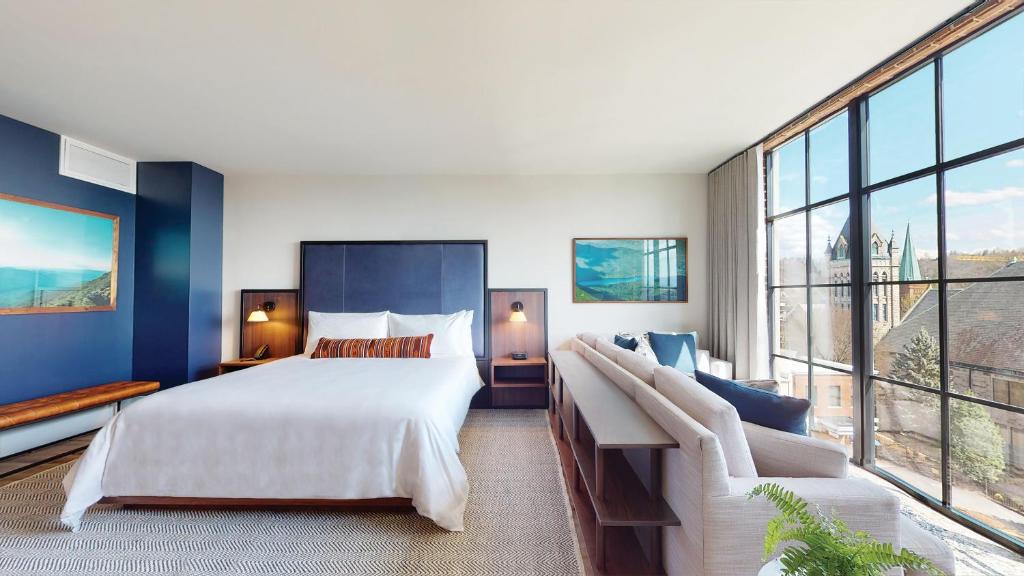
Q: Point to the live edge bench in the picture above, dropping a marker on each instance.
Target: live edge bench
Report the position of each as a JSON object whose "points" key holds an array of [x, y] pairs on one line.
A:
{"points": [[29, 411]]}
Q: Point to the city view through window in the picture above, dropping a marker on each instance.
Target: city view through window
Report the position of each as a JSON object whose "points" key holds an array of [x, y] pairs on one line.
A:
{"points": [[939, 185]]}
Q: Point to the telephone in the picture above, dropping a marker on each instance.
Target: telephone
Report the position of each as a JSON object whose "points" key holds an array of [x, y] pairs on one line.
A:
{"points": [[261, 352]]}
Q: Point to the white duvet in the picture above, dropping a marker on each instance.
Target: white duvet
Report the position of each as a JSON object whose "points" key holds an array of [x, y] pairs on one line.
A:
{"points": [[294, 428]]}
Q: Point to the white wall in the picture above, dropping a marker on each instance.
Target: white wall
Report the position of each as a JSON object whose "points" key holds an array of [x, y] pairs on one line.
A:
{"points": [[528, 221]]}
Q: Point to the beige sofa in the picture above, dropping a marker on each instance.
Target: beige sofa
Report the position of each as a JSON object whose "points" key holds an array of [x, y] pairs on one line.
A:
{"points": [[606, 343], [720, 459]]}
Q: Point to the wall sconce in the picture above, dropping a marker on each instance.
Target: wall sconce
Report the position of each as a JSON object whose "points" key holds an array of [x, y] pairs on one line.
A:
{"points": [[260, 314], [518, 316], [517, 313]]}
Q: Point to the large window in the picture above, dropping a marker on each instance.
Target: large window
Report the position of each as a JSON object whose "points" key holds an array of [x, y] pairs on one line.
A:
{"points": [[897, 279], [809, 211]]}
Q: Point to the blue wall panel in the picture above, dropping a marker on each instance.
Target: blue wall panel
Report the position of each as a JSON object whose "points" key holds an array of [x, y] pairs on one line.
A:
{"points": [[162, 270], [206, 277], [43, 354], [178, 290]]}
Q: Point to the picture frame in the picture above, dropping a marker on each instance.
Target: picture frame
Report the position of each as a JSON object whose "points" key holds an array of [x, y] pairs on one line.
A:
{"points": [[630, 270], [56, 258]]}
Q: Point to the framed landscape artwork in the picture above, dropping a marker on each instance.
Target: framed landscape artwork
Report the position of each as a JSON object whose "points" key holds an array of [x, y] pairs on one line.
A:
{"points": [[56, 258], [629, 270]]}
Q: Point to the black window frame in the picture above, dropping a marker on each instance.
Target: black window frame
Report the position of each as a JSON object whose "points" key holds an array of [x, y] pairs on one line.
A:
{"points": [[862, 289]]}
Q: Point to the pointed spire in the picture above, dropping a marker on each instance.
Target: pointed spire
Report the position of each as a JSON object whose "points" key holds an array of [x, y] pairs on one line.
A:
{"points": [[909, 267], [828, 249]]}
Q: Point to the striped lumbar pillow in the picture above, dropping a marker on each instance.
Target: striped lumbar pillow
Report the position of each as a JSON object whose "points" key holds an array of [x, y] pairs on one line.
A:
{"points": [[399, 347]]}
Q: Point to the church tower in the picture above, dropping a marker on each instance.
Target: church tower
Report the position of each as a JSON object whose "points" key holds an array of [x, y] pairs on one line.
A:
{"points": [[910, 271], [886, 265]]}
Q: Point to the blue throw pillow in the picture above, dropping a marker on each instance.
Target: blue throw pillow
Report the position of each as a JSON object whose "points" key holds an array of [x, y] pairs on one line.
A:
{"points": [[760, 407], [627, 343], [676, 350]]}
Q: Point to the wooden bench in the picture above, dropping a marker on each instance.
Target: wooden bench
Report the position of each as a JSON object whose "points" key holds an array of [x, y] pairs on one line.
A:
{"points": [[47, 407]]}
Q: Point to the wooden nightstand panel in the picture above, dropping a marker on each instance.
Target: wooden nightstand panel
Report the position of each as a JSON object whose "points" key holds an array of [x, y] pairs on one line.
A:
{"points": [[519, 383], [241, 364], [280, 332], [504, 397]]}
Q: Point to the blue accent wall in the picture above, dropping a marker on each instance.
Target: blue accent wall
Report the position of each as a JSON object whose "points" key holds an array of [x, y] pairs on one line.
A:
{"points": [[178, 272], [43, 354]]}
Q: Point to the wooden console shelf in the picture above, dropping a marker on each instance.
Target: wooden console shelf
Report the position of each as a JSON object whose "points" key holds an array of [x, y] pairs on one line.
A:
{"points": [[596, 420]]}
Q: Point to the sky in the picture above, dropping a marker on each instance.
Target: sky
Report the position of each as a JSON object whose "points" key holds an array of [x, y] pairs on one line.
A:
{"points": [[35, 237], [983, 106]]}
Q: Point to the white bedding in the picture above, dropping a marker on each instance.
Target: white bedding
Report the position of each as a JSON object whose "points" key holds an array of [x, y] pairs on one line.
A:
{"points": [[294, 428]]}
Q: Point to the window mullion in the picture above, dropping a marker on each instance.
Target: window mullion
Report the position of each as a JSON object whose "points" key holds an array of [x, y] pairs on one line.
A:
{"points": [[863, 407], [807, 279], [940, 207]]}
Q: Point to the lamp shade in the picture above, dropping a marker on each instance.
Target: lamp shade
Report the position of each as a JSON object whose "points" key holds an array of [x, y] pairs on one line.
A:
{"points": [[517, 313], [258, 316]]}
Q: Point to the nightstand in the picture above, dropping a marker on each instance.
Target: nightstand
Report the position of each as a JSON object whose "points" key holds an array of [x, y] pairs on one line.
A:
{"points": [[519, 324], [241, 364], [519, 383]]}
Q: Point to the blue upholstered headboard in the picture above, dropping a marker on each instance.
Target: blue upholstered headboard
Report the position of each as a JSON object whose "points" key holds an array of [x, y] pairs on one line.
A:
{"points": [[432, 277]]}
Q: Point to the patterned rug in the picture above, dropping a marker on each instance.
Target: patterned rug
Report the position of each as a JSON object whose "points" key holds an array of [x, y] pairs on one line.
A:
{"points": [[975, 554], [517, 522]]}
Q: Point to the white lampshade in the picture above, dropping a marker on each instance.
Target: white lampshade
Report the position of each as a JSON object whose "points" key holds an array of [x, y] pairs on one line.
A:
{"points": [[517, 316], [258, 316]]}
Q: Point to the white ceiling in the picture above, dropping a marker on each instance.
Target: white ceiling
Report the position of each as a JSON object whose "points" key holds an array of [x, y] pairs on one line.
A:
{"points": [[439, 86]]}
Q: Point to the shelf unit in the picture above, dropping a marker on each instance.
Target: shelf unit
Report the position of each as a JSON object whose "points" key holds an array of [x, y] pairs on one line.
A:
{"points": [[596, 421], [519, 383]]}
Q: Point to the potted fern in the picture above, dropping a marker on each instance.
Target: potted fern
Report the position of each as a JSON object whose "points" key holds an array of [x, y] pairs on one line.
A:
{"points": [[825, 545]]}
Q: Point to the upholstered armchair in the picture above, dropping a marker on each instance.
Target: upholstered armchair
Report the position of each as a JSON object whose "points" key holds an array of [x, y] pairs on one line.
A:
{"points": [[720, 459]]}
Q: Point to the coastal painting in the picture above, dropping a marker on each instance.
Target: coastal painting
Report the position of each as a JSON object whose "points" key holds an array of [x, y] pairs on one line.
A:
{"points": [[56, 258], [629, 270]]}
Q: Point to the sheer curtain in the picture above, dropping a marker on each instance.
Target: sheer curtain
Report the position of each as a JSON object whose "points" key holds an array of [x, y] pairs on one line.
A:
{"points": [[737, 262]]}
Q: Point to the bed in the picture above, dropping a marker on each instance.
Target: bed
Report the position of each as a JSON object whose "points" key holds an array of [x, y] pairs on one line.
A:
{"points": [[313, 431]]}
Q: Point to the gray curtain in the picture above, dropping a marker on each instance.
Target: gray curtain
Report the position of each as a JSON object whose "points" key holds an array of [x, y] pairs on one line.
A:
{"points": [[737, 262]]}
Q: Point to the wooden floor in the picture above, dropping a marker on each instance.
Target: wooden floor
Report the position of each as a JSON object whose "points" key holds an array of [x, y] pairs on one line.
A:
{"points": [[19, 466]]}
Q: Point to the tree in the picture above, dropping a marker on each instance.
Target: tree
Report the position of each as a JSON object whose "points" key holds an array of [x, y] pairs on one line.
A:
{"points": [[918, 363], [976, 444], [842, 344]]}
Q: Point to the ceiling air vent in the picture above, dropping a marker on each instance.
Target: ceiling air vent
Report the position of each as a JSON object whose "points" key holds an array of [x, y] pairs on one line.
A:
{"points": [[85, 162]]}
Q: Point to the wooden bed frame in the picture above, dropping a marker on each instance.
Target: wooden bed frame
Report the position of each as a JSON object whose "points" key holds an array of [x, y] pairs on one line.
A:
{"points": [[369, 504]]}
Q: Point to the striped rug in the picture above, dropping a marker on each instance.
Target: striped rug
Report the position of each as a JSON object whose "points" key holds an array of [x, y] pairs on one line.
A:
{"points": [[517, 522]]}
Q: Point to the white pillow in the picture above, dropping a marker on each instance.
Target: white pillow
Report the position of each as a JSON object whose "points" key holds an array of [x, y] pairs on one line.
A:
{"points": [[453, 333], [345, 325]]}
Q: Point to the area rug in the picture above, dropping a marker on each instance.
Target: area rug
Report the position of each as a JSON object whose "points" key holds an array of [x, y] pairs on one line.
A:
{"points": [[975, 554], [517, 522]]}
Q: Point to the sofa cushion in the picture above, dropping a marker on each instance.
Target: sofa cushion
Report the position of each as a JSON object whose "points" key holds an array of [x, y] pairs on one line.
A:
{"points": [[637, 365], [713, 412], [592, 338], [606, 348], [676, 350], [624, 380], [627, 343], [767, 409], [785, 455]]}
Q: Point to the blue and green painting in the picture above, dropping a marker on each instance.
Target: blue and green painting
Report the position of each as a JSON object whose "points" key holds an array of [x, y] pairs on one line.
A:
{"points": [[629, 270], [52, 257]]}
